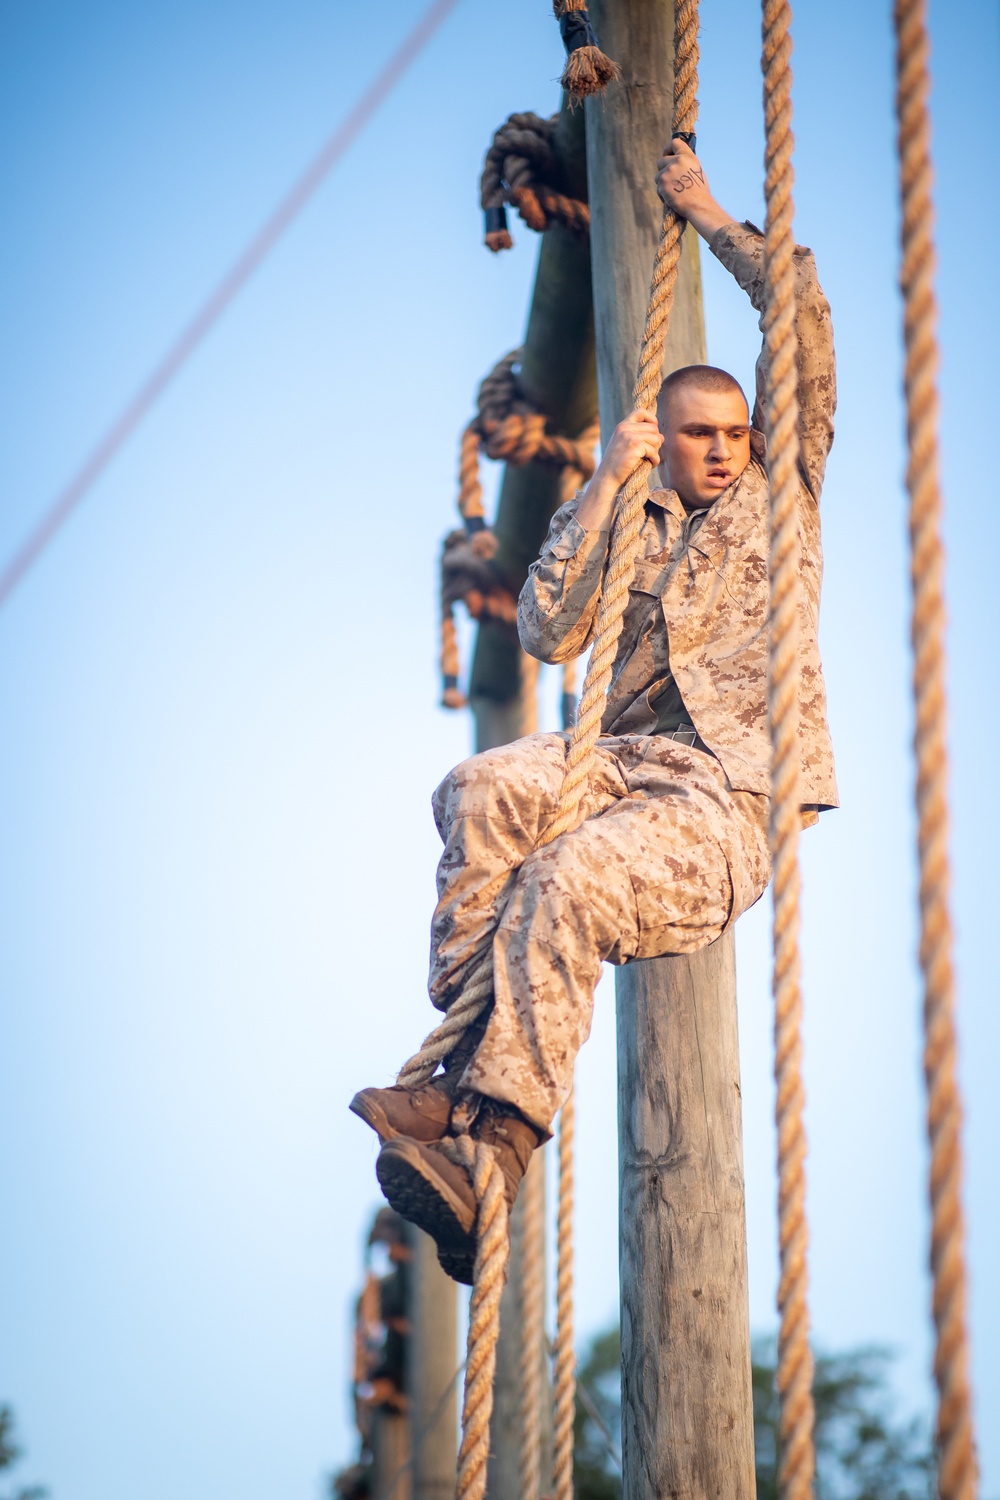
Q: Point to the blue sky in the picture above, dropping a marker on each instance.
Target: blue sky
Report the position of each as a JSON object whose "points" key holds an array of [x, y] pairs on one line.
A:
{"points": [[219, 688]]}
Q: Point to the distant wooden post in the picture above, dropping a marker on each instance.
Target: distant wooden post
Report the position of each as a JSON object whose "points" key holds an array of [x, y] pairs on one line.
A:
{"points": [[391, 1477], [687, 1419], [430, 1374]]}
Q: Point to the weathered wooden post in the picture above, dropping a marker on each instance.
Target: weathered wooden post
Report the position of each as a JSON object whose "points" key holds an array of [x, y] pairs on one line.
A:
{"points": [[430, 1373], [687, 1420], [558, 374]]}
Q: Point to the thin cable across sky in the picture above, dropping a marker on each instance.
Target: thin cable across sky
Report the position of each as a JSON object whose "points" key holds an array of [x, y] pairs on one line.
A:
{"points": [[180, 352]]}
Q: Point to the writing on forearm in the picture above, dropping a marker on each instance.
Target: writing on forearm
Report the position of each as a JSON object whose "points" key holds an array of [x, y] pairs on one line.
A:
{"points": [[688, 180]]}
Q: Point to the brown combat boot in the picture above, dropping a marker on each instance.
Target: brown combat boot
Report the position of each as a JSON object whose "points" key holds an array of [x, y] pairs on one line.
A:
{"points": [[435, 1193], [422, 1114]]}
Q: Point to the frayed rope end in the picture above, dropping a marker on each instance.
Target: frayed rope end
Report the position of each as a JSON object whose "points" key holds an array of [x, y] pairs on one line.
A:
{"points": [[588, 71], [499, 239]]}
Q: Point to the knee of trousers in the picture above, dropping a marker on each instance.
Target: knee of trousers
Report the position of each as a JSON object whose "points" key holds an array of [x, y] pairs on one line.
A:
{"points": [[573, 909], [501, 784]]}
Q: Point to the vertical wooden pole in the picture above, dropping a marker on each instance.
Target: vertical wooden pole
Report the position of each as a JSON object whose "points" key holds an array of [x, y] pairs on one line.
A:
{"points": [[430, 1373], [687, 1419], [391, 1477]]}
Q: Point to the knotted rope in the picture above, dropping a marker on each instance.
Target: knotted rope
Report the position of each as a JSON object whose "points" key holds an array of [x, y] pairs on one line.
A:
{"points": [[587, 69], [508, 426], [519, 169], [564, 1360], [797, 1460], [957, 1469]]}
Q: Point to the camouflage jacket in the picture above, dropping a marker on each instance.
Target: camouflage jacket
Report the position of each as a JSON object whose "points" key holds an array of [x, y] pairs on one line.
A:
{"points": [[698, 603]]}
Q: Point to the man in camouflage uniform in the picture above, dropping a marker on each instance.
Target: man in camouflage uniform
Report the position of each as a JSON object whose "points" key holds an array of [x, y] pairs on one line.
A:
{"points": [[673, 844]]}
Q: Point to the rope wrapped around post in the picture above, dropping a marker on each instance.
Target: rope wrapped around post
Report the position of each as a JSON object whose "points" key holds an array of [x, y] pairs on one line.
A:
{"points": [[957, 1467], [797, 1460]]}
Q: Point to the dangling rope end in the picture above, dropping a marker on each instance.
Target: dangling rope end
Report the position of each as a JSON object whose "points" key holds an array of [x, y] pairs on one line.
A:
{"points": [[588, 70], [497, 236]]}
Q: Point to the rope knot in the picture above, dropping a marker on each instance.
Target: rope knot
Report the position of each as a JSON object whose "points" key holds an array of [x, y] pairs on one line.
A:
{"points": [[521, 169]]}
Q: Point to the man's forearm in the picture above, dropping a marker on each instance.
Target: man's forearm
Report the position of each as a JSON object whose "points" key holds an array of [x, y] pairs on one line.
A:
{"points": [[708, 218]]}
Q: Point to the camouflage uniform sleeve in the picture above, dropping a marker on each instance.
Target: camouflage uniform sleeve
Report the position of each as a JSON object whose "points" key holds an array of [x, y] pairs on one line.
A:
{"points": [[557, 610], [740, 248]]}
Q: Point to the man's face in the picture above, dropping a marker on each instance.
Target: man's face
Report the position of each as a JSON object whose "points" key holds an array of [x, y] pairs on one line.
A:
{"points": [[706, 443]]}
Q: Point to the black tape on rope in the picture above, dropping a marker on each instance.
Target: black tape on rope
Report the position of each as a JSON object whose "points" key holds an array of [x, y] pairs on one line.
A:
{"points": [[496, 219], [576, 31]]}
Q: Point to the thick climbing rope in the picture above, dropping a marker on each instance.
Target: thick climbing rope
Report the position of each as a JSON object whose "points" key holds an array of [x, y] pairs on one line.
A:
{"points": [[796, 1454], [957, 1469], [489, 1276], [564, 1360], [507, 426], [519, 167], [532, 1310]]}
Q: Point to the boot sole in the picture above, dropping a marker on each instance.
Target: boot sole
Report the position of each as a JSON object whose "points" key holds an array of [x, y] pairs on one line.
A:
{"points": [[416, 1192]]}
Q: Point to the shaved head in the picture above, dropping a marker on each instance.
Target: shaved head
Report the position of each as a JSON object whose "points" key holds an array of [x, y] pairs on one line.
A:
{"points": [[706, 378], [702, 415]]}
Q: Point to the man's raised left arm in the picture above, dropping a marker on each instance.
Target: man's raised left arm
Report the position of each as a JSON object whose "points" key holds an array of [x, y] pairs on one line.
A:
{"points": [[683, 185]]}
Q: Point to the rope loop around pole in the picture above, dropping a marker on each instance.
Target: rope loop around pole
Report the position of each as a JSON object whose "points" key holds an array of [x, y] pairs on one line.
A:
{"points": [[957, 1466]]}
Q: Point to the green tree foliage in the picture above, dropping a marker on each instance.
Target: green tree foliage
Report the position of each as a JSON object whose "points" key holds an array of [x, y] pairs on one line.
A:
{"points": [[10, 1454], [863, 1451]]}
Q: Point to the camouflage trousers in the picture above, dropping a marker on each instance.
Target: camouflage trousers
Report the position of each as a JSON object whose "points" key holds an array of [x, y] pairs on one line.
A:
{"points": [[667, 857]]}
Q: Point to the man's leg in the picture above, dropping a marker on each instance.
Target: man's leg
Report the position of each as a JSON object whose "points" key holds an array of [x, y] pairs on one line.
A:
{"points": [[650, 875], [489, 811]]}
